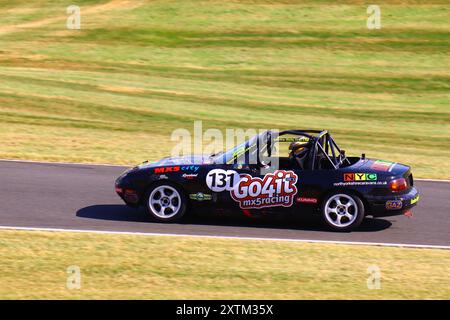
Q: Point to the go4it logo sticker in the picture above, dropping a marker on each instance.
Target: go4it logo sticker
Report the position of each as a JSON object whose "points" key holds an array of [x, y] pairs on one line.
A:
{"points": [[275, 189]]}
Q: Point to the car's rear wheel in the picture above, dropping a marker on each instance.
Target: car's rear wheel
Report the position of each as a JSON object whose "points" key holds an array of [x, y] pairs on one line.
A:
{"points": [[166, 202], [343, 211]]}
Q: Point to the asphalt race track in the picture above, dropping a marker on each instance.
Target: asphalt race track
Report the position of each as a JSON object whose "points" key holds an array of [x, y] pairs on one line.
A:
{"points": [[70, 196]]}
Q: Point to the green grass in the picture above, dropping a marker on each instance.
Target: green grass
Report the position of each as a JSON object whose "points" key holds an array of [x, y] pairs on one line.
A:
{"points": [[114, 91], [34, 266]]}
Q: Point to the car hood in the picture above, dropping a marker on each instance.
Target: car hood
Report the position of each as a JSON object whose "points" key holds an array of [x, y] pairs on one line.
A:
{"points": [[177, 161]]}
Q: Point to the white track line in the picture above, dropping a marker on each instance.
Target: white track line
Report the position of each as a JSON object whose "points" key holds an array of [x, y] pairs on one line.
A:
{"points": [[226, 237], [432, 180], [121, 165]]}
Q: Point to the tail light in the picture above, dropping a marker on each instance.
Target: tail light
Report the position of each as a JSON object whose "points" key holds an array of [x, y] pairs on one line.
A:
{"points": [[398, 185]]}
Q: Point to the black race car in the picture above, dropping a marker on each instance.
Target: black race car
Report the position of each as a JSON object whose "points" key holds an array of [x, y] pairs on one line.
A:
{"points": [[291, 172]]}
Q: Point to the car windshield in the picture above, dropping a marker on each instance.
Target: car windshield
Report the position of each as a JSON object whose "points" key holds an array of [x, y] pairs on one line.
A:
{"points": [[241, 152]]}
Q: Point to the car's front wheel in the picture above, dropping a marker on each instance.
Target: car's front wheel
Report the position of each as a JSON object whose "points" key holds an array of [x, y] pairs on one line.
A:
{"points": [[166, 202], [343, 211]]}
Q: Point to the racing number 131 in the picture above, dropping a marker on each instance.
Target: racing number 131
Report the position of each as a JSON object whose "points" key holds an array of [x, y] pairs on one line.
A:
{"points": [[219, 180], [222, 182]]}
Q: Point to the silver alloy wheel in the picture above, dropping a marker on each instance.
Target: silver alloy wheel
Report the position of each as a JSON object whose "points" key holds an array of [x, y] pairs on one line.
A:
{"points": [[341, 210], [164, 202]]}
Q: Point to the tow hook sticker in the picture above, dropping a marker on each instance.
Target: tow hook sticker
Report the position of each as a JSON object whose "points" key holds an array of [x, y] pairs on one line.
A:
{"points": [[415, 200]]}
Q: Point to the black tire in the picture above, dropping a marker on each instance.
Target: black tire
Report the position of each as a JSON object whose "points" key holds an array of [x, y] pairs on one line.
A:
{"points": [[164, 209], [344, 215]]}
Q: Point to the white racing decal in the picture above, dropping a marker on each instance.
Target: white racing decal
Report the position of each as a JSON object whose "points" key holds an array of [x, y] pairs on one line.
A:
{"points": [[219, 180]]}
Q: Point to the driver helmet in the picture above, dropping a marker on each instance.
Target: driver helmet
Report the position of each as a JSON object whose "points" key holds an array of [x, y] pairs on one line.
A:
{"points": [[298, 148]]}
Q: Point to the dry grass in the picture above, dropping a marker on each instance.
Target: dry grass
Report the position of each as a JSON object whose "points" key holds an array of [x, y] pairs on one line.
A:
{"points": [[34, 266]]}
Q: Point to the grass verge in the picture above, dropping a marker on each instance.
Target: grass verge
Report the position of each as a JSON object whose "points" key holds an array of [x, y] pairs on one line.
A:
{"points": [[34, 265]]}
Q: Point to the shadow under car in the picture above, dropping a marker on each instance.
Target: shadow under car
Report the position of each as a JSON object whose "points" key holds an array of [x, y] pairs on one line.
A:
{"points": [[115, 212]]}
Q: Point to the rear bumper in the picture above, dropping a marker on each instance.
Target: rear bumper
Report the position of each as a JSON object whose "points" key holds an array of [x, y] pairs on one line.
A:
{"points": [[385, 206]]}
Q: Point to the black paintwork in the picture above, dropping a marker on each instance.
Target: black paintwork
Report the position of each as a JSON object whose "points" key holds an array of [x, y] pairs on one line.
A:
{"points": [[190, 173]]}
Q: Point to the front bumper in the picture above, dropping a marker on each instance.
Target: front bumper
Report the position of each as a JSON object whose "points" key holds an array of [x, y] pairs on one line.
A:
{"points": [[392, 205], [126, 191], [129, 196]]}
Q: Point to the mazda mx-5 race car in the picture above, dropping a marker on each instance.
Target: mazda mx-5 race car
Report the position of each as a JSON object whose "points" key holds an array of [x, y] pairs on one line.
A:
{"points": [[292, 172]]}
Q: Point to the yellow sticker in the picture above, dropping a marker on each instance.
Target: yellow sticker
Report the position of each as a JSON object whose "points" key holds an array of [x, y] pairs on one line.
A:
{"points": [[415, 200]]}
